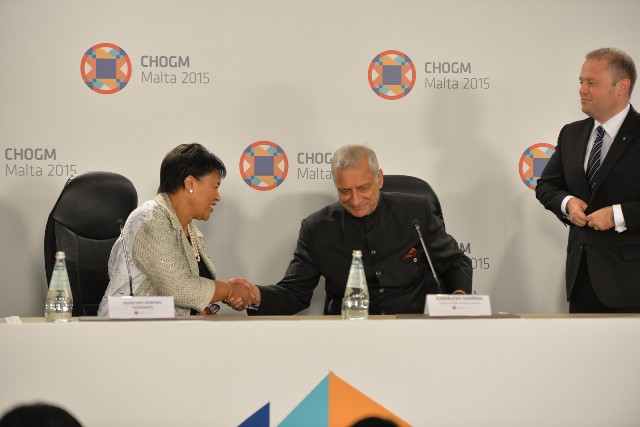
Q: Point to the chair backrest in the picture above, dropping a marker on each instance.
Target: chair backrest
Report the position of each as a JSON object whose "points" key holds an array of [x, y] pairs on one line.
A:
{"points": [[412, 185], [83, 224]]}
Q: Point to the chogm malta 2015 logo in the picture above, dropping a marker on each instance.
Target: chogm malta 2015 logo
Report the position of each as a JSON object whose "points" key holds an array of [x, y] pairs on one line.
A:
{"points": [[105, 68], [533, 161], [264, 165], [392, 74]]}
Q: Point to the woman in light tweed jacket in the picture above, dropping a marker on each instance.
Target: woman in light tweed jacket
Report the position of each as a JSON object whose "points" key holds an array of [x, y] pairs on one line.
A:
{"points": [[166, 250]]}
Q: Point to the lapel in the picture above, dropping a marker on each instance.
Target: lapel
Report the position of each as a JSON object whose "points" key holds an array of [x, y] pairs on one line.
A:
{"points": [[626, 135], [583, 140]]}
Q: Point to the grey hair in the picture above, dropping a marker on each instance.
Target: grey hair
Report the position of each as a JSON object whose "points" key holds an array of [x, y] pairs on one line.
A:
{"points": [[620, 66], [350, 156]]}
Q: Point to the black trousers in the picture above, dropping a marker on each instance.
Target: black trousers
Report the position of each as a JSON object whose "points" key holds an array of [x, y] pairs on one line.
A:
{"points": [[583, 299]]}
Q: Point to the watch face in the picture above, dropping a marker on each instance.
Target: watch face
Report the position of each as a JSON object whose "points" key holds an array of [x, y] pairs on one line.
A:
{"points": [[212, 308]]}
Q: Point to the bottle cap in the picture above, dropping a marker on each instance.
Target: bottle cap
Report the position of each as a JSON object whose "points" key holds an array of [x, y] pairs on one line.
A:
{"points": [[60, 255], [356, 253]]}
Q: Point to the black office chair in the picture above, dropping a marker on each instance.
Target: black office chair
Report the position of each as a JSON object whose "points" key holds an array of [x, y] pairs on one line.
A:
{"points": [[83, 224], [412, 185]]}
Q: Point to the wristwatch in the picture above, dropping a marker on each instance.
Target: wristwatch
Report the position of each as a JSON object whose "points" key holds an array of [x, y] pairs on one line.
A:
{"points": [[212, 309]]}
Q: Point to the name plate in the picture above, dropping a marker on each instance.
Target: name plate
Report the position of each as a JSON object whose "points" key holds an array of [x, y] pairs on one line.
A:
{"points": [[457, 305], [148, 307]]}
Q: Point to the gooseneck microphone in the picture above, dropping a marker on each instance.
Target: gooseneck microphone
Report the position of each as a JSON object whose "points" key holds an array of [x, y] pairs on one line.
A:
{"points": [[416, 224], [120, 224]]}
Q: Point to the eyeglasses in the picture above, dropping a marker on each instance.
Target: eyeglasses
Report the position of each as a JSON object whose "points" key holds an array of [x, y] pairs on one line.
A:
{"points": [[212, 309]]}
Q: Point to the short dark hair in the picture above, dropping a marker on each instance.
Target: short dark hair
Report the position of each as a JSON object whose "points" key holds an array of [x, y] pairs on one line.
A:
{"points": [[184, 160], [38, 414], [621, 65], [374, 422]]}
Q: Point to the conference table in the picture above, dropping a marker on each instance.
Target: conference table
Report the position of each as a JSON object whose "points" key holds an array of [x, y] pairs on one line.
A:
{"points": [[502, 370]]}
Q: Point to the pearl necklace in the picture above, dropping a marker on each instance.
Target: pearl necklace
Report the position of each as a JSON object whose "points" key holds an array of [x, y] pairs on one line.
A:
{"points": [[194, 244]]}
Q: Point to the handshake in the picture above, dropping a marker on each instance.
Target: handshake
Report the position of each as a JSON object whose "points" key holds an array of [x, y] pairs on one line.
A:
{"points": [[243, 294]]}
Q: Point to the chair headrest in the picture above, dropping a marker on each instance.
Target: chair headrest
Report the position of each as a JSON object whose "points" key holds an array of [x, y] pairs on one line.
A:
{"points": [[90, 204], [407, 184]]}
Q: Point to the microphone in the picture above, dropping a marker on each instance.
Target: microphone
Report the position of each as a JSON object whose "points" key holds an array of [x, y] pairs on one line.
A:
{"points": [[120, 224], [416, 224]]}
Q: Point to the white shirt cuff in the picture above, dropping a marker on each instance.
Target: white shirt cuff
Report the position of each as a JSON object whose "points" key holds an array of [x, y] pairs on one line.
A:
{"points": [[618, 219], [563, 206]]}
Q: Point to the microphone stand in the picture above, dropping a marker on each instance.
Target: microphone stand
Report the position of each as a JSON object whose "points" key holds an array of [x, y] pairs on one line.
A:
{"points": [[416, 224]]}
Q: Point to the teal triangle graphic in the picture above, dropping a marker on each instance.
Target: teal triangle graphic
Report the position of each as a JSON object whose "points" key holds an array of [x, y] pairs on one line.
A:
{"points": [[260, 418], [313, 411]]}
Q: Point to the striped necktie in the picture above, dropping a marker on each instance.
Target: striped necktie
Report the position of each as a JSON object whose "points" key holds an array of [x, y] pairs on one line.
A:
{"points": [[593, 166]]}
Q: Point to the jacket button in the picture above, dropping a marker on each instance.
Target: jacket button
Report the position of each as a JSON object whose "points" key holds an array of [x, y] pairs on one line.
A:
{"points": [[378, 273], [381, 290], [373, 252], [583, 246]]}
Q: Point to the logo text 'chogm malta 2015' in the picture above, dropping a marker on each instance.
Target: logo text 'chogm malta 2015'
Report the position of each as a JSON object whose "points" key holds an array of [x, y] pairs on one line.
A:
{"points": [[105, 68], [533, 161], [264, 165], [392, 74]]}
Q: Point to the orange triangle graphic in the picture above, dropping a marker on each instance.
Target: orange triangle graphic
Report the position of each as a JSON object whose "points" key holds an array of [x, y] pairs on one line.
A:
{"points": [[348, 405]]}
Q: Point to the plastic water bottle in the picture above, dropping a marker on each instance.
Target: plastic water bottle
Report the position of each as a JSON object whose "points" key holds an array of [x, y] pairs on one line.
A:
{"points": [[355, 304], [59, 304]]}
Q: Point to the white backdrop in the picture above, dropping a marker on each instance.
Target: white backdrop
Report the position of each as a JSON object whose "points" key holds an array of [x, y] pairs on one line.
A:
{"points": [[295, 73]]}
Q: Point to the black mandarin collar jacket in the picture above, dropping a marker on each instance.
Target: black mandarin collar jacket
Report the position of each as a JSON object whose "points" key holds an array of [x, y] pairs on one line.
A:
{"points": [[398, 274]]}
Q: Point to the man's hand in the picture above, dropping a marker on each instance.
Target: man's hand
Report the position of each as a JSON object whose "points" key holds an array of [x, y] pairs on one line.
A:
{"points": [[575, 210], [602, 219]]}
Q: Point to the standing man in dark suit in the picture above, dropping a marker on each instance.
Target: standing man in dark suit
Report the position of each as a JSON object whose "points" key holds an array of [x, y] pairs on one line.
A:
{"points": [[592, 184], [378, 224]]}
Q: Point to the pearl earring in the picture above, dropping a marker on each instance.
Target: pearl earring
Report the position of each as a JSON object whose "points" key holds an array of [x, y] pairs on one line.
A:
{"points": [[191, 191]]}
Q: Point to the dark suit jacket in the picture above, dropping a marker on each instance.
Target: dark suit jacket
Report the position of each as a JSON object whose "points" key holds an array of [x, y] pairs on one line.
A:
{"points": [[613, 258], [398, 275]]}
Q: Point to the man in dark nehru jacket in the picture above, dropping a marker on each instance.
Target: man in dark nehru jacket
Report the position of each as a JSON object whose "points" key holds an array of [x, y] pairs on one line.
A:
{"points": [[378, 224]]}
